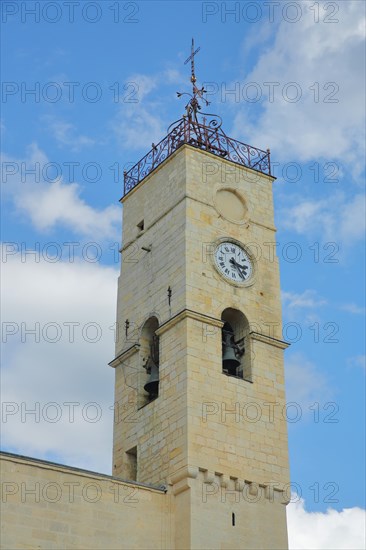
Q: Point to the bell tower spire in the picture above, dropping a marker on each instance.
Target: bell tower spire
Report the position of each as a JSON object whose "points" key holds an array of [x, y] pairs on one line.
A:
{"points": [[199, 385]]}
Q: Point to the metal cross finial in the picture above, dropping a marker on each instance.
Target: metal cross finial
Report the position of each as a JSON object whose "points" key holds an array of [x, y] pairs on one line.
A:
{"points": [[193, 105], [191, 59]]}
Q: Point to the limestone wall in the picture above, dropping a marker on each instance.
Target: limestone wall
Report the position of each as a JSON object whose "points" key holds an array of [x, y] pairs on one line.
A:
{"points": [[50, 506]]}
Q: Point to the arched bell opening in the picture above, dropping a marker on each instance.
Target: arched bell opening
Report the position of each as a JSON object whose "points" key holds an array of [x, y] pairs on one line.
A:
{"points": [[235, 344], [148, 387]]}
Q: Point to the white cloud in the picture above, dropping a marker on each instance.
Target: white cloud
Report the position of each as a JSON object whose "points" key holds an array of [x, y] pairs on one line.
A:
{"points": [[301, 310], [358, 361], [60, 204], [352, 219], [335, 218], [305, 383], [66, 134], [140, 120], [54, 203], [173, 76], [331, 530], [73, 303], [137, 126], [322, 53], [139, 86], [353, 308], [307, 299]]}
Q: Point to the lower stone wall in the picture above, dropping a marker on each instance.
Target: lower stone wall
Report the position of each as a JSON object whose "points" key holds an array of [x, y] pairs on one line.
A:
{"points": [[48, 506]]}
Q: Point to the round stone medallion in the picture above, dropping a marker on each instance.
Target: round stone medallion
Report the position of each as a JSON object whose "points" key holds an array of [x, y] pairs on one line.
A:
{"points": [[231, 205]]}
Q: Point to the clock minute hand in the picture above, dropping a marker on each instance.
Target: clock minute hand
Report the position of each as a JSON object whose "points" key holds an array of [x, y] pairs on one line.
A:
{"points": [[241, 268], [238, 267]]}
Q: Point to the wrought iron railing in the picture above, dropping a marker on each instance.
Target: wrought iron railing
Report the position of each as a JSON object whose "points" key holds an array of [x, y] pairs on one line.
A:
{"points": [[207, 136]]}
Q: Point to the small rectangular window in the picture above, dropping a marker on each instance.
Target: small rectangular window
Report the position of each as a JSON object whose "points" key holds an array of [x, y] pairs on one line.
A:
{"points": [[140, 225], [131, 457]]}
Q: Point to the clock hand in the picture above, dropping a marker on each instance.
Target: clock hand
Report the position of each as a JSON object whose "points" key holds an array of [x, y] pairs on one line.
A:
{"points": [[241, 268], [237, 267]]}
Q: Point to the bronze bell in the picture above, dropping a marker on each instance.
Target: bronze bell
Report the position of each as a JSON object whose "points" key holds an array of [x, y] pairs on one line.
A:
{"points": [[152, 385], [230, 352]]}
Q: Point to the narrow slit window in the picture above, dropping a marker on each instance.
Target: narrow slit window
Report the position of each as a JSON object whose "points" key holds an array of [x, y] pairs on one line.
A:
{"points": [[140, 225], [131, 457], [233, 519]]}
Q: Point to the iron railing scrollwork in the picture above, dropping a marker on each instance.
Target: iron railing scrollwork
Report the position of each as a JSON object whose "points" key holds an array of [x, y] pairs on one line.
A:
{"points": [[207, 136]]}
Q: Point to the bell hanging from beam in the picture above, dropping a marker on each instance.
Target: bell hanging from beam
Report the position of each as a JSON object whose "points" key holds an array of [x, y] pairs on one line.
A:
{"points": [[152, 385], [230, 351]]}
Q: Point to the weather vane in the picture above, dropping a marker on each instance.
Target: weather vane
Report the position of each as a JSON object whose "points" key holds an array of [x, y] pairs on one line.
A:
{"points": [[193, 105]]}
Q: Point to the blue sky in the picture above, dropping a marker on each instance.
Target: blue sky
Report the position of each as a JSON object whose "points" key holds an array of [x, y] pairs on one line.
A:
{"points": [[289, 76]]}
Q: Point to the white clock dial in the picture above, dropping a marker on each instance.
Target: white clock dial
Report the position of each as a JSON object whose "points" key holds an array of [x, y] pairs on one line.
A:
{"points": [[233, 262]]}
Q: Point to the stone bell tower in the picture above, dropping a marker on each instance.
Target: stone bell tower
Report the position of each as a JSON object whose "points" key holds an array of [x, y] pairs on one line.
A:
{"points": [[199, 387]]}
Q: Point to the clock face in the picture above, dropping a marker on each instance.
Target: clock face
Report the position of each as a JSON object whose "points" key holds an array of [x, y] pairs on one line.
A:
{"points": [[233, 262]]}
